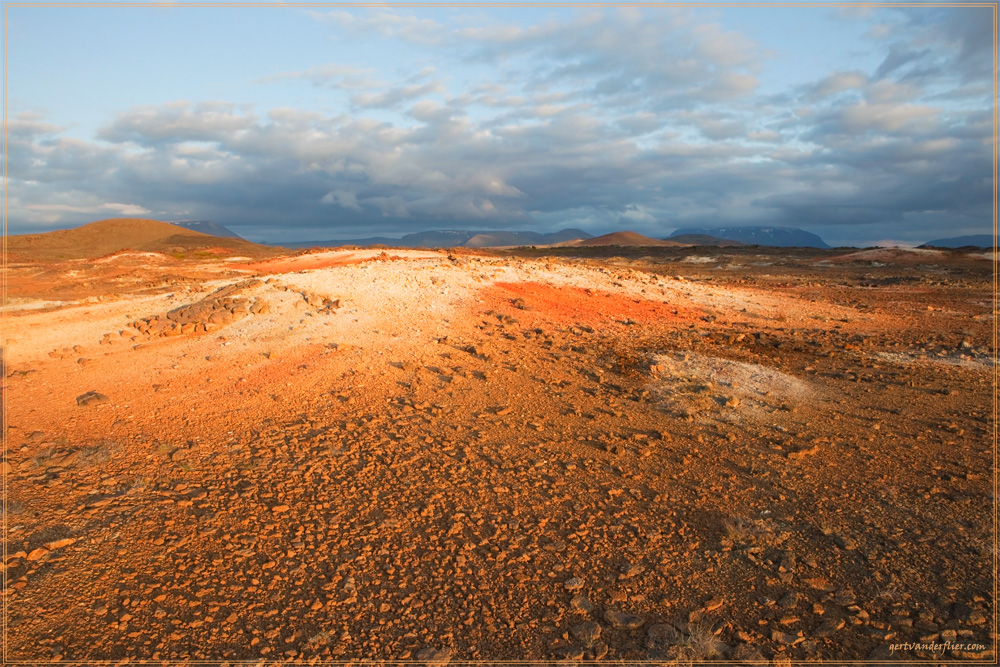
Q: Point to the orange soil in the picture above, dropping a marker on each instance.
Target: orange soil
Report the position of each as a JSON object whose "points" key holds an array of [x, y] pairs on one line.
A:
{"points": [[575, 305]]}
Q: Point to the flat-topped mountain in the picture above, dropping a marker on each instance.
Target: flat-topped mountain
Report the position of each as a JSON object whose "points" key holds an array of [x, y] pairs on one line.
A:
{"points": [[781, 237], [977, 240]]}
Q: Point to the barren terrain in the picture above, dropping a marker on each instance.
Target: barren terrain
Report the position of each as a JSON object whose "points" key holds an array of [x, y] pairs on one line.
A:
{"points": [[565, 453]]}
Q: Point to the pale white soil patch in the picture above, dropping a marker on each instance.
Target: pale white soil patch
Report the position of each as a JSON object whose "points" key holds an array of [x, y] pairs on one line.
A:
{"points": [[134, 256], [889, 254], [692, 383], [955, 359]]}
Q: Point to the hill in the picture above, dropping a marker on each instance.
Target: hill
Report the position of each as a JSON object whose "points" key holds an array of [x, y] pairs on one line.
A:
{"points": [[621, 239], [116, 234], [780, 237], [977, 240]]}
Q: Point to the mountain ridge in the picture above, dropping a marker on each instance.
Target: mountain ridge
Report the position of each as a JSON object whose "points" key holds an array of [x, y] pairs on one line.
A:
{"points": [[624, 238], [452, 238], [207, 227], [779, 237], [979, 240]]}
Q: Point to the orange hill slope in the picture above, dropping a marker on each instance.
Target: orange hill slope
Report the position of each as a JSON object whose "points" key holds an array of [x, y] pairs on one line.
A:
{"points": [[621, 239], [107, 236]]}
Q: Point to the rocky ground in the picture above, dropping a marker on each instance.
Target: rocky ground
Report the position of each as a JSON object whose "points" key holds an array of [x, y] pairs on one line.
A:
{"points": [[734, 454]]}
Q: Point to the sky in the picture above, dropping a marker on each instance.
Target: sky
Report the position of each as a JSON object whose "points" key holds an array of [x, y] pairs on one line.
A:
{"points": [[863, 125]]}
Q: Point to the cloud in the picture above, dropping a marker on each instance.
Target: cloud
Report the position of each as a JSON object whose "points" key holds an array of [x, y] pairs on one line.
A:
{"points": [[836, 83], [175, 122], [342, 198], [864, 117], [395, 96], [626, 118]]}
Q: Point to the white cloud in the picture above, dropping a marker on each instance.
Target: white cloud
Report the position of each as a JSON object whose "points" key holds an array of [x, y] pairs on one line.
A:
{"points": [[129, 210], [863, 117], [342, 198]]}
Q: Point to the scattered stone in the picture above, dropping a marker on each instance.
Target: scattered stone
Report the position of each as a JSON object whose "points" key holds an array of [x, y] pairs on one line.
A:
{"points": [[38, 554], [622, 620], [819, 583], [629, 570], [790, 600], [748, 655], [573, 584], [828, 627], [845, 542], [59, 544], [91, 398], [587, 632], [802, 453], [968, 615], [597, 651], [786, 638], [581, 604], [714, 603], [573, 653], [661, 635]]}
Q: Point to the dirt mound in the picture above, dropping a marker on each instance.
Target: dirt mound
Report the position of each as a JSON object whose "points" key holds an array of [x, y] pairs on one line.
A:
{"points": [[105, 237], [622, 239]]}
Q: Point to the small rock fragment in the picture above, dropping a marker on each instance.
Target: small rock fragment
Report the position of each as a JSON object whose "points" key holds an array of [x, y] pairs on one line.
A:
{"points": [[828, 627], [581, 604], [622, 620], [91, 398], [38, 554], [587, 632], [59, 544]]}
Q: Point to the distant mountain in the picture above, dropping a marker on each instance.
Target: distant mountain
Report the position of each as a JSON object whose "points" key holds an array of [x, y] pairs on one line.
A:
{"points": [[498, 239], [620, 239], [207, 227], [706, 240], [452, 238], [781, 237], [979, 240]]}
